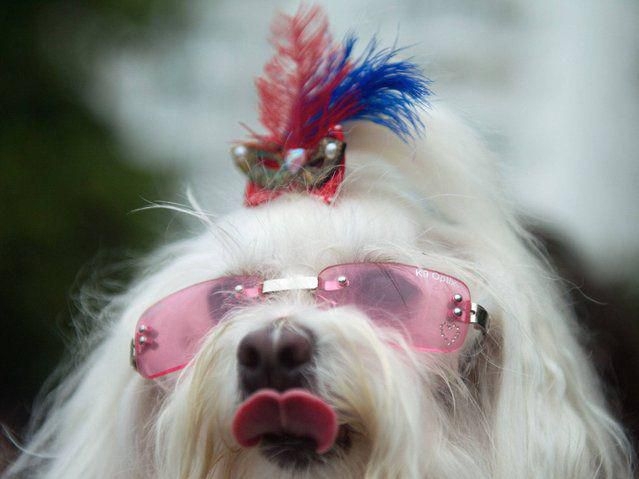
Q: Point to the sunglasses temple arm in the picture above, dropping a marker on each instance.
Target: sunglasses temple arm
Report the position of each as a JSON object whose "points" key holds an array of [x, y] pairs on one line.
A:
{"points": [[132, 358], [479, 317]]}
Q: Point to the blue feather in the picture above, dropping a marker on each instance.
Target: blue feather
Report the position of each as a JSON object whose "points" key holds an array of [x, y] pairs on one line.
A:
{"points": [[387, 91]]}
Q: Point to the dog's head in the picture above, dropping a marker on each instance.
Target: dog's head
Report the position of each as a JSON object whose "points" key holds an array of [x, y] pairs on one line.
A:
{"points": [[300, 336], [337, 332]]}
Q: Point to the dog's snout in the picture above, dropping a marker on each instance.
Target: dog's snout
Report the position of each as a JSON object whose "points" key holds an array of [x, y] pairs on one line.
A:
{"points": [[276, 358]]}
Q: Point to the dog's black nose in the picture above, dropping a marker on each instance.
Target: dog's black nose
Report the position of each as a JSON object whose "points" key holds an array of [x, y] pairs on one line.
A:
{"points": [[275, 357]]}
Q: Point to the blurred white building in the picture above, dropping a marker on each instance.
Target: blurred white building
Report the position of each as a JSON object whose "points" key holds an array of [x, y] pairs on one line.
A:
{"points": [[554, 86]]}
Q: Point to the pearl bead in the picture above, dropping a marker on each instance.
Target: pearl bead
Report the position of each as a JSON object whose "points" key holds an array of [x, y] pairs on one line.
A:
{"points": [[330, 150], [240, 152]]}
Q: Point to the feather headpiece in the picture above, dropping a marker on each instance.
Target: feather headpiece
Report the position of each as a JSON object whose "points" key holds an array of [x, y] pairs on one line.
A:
{"points": [[308, 89]]}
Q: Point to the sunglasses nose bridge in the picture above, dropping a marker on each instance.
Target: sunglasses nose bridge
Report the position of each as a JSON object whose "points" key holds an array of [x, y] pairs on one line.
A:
{"points": [[289, 284]]}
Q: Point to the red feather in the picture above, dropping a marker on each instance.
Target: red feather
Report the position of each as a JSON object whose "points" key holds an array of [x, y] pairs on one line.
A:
{"points": [[296, 86]]}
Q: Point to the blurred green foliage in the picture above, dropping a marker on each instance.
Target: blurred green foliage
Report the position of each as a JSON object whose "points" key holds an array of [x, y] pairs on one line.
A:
{"points": [[65, 189]]}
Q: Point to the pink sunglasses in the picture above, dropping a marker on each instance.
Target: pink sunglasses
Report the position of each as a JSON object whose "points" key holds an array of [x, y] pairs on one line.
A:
{"points": [[433, 309]]}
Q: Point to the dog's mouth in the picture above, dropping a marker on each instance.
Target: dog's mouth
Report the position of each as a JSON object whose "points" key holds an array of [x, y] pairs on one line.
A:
{"points": [[293, 429], [300, 452]]}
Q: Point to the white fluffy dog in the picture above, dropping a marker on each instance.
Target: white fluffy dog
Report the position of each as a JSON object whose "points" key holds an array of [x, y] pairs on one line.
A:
{"points": [[518, 401], [522, 402]]}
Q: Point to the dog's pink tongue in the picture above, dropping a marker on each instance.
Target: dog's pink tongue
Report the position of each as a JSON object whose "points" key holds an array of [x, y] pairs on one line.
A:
{"points": [[295, 412]]}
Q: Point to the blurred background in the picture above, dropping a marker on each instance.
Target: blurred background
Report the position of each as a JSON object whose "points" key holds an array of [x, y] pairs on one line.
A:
{"points": [[110, 104]]}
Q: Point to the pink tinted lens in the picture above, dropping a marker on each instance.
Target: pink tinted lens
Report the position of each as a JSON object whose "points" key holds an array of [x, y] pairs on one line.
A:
{"points": [[431, 308], [169, 333]]}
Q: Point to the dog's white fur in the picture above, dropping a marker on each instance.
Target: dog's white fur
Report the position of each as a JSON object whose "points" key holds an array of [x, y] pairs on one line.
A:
{"points": [[523, 403]]}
